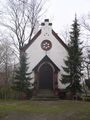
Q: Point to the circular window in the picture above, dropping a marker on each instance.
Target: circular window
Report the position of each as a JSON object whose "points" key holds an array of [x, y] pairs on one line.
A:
{"points": [[46, 45]]}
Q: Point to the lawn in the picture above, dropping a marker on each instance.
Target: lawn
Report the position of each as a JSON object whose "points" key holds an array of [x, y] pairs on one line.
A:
{"points": [[67, 110]]}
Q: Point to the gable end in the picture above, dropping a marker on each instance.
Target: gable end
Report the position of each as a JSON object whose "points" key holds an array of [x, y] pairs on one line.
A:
{"points": [[36, 36], [46, 59]]}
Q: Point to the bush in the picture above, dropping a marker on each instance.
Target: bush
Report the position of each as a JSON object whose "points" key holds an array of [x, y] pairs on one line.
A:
{"points": [[9, 93], [87, 81], [6, 92], [62, 94]]}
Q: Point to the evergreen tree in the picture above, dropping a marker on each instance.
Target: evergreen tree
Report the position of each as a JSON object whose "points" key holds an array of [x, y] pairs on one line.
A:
{"points": [[22, 77], [73, 63]]}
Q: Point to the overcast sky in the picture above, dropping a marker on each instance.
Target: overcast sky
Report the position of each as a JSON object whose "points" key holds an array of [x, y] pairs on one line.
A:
{"points": [[62, 12]]}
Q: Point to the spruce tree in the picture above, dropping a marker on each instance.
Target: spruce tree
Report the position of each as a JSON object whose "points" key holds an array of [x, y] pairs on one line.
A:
{"points": [[22, 77], [73, 64]]}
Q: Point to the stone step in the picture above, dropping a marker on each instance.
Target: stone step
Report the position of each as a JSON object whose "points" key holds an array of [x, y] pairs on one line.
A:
{"points": [[45, 95], [44, 99]]}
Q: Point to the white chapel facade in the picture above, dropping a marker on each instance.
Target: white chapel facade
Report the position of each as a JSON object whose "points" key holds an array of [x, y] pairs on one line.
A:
{"points": [[46, 53]]}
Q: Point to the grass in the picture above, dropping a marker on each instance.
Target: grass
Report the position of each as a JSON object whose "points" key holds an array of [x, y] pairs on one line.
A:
{"points": [[73, 110]]}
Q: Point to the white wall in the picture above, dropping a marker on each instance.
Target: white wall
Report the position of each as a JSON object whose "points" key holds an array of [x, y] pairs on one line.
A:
{"points": [[57, 53]]}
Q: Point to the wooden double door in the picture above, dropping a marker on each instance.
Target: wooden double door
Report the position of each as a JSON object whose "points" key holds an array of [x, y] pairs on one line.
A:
{"points": [[45, 77]]}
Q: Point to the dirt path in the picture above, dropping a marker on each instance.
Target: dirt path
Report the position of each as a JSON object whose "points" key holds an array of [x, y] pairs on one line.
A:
{"points": [[32, 116]]}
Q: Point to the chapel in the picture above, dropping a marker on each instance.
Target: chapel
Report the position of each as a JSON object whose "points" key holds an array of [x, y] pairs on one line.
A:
{"points": [[46, 53]]}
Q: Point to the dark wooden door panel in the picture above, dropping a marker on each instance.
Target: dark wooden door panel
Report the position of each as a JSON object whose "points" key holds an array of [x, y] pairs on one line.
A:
{"points": [[46, 77]]}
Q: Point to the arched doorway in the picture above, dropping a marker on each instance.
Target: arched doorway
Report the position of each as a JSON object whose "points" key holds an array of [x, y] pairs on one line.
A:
{"points": [[46, 77]]}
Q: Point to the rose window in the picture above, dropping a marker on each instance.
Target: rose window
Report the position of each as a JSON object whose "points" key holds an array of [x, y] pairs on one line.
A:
{"points": [[46, 45]]}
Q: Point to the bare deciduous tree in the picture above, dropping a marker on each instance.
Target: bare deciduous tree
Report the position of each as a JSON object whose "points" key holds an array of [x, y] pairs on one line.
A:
{"points": [[6, 58], [85, 25], [21, 18], [65, 35], [86, 22], [86, 62]]}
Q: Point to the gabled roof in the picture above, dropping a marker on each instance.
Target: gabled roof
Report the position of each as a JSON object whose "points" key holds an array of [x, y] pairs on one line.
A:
{"points": [[31, 41], [38, 34], [47, 59], [59, 39]]}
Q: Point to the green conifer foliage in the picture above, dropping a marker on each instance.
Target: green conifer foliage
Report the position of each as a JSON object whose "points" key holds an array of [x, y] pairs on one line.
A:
{"points": [[22, 77], [73, 64]]}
